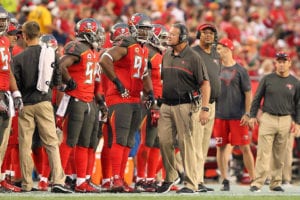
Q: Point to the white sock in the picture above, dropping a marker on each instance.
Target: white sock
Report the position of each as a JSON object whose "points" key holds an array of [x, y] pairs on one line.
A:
{"points": [[79, 181], [45, 179], [105, 180]]}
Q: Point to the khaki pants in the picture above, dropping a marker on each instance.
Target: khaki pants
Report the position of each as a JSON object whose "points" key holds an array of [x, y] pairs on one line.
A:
{"points": [[288, 159], [273, 134], [42, 116], [178, 120], [3, 145], [202, 138]]}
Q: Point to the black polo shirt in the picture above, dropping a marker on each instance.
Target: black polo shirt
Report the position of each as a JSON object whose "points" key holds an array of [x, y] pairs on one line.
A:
{"points": [[212, 63], [181, 74], [281, 96]]}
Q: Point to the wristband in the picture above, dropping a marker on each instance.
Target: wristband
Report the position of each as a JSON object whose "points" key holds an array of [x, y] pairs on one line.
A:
{"points": [[16, 93], [206, 109]]}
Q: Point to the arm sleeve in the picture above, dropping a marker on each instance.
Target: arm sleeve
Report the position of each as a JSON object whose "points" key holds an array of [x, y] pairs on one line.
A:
{"points": [[260, 92], [17, 72], [297, 103]]}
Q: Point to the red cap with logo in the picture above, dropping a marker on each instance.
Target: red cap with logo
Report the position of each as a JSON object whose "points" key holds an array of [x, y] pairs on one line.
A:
{"points": [[227, 43]]}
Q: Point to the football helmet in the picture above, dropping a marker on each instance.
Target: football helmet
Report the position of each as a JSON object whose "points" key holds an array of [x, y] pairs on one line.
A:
{"points": [[49, 40], [140, 27], [159, 36], [90, 31], [13, 25], [4, 20], [118, 32]]}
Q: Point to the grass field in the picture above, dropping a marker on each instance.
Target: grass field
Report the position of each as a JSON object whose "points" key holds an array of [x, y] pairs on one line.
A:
{"points": [[143, 197], [236, 192]]}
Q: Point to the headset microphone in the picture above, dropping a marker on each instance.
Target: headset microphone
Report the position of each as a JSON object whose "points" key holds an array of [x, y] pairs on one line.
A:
{"points": [[183, 35]]}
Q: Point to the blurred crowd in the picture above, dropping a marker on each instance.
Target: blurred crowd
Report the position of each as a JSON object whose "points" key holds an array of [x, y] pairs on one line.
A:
{"points": [[258, 28]]}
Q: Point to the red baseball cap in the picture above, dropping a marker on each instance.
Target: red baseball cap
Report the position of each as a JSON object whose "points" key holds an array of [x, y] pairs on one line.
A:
{"points": [[227, 43], [207, 26]]}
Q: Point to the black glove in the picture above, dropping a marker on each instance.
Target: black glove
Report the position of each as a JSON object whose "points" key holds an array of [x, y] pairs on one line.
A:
{"points": [[150, 100], [70, 85], [103, 110], [122, 90], [18, 102]]}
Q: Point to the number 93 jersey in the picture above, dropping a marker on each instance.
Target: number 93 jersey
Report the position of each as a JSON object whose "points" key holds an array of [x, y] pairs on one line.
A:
{"points": [[130, 70], [84, 71], [4, 63]]}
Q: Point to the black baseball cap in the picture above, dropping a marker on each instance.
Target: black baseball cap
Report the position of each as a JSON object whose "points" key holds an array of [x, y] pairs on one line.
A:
{"points": [[282, 56]]}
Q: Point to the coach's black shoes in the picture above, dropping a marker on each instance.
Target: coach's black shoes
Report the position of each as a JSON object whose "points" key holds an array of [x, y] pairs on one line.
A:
{"points": [[226, 185], [277, 189], [254, 189], [203, 188], [166, 186], [58, 188], [185, 190]]}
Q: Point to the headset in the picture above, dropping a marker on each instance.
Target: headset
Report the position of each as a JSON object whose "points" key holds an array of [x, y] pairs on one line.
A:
{"points": [[204, 26], [183, 36]]}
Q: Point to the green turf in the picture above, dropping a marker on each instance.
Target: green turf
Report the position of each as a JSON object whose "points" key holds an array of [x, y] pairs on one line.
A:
{"points": [[143, 197]]}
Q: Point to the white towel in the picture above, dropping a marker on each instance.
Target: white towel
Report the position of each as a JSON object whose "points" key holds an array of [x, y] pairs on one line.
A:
{"points": [[47, 57], [63, 105]]}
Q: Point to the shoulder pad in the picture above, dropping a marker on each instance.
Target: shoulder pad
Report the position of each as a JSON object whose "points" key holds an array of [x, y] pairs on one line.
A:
{"points": [[127, 41], [75, 48]]}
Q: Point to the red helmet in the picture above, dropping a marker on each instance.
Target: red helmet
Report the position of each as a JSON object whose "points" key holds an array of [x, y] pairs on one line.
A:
{"points": [[4, 20], [13, 27], [118, 32], [140, 27], [91, 31], [159, 36], [49, 40]]}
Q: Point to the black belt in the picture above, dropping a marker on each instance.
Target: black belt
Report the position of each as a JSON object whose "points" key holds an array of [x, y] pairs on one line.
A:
{"points": [[176, 102], [279, 114]]}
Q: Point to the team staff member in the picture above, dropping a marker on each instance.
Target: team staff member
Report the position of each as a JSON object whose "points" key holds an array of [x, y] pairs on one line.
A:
{"points": [[232, 113], [37, 111], [183, 74], [281, 93], [207, 35]]}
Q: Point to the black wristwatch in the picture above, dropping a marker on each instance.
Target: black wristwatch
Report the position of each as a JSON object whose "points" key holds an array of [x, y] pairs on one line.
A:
{"points": [[206, 109]]}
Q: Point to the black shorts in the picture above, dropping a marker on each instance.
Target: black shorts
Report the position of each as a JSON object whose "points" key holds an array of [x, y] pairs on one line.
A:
{"points": [[81, 118], [149, 134], [124, 121]]}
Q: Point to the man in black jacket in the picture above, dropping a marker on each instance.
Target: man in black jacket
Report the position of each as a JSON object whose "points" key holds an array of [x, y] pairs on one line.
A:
{"points": [[37, 110]]}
